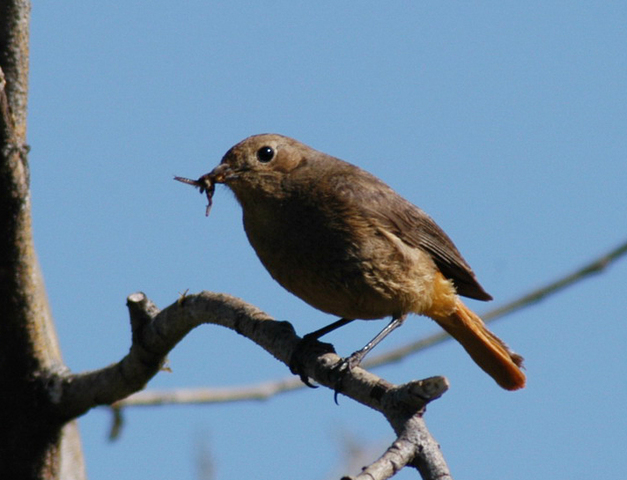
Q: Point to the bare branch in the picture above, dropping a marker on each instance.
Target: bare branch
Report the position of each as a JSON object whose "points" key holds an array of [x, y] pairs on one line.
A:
{"points": [[187, 396], [265, 390], [399, 454], [414, 445], [156, 332], [596, 266]]}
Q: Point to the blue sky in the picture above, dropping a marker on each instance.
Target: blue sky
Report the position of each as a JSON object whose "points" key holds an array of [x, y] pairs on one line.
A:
{"points": [[505, 121]]}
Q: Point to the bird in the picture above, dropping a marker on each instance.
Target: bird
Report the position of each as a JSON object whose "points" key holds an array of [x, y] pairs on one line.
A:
{"points": [[347, 244]]}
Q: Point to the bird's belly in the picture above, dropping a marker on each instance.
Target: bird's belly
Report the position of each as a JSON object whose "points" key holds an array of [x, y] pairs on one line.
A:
{"points": [[336, 289], [366, 279]]}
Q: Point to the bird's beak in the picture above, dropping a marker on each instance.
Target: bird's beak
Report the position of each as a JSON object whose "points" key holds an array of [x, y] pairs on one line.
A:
{"points": [[221, 174]]}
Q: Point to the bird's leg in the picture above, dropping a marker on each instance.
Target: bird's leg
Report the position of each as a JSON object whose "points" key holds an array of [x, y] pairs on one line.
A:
{"points": [[356, 357], [328, 329], [347, 364], [309, 339]]}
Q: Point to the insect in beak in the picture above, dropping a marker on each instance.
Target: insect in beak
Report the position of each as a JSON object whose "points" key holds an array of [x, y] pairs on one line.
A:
{"points": [[206, 184]]}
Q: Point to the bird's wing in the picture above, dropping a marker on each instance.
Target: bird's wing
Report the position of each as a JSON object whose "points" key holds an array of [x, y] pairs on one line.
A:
{"points": [[413, 226]]}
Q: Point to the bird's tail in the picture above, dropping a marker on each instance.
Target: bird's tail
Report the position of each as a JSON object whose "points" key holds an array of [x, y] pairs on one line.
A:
{"points": [[485, 348]]}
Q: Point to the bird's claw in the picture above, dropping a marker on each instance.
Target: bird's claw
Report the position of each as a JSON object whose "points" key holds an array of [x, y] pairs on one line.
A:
{"points": [[343, 368], [309, 345]]}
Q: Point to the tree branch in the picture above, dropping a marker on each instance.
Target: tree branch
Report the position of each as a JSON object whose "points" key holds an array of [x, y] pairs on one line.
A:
{"points": [[268, 389], [155, 333], [403, 451]]}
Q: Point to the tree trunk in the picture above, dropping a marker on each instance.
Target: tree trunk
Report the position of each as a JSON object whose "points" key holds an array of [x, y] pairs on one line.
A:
{"points": [[33, 443]]}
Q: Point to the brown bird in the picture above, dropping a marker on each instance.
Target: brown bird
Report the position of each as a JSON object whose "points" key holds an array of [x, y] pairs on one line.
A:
{"points": [[347, 244]]}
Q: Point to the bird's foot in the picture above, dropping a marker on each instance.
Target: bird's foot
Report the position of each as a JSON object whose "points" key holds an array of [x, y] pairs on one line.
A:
{"points": [[308, 347], [343, 368]]}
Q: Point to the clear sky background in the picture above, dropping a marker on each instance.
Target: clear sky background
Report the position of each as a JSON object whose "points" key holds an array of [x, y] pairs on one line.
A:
{"points": [[506, 121]]}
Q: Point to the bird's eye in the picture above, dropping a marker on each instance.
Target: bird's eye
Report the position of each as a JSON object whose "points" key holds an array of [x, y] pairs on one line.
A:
{"points": [[265, 154]]}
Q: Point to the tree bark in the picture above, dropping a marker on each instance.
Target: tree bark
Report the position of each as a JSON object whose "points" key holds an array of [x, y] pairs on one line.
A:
{"points": [[31, 441]]}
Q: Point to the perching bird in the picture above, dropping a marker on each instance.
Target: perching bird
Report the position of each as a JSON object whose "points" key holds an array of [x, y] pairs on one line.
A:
{"points": [[346, 243]]}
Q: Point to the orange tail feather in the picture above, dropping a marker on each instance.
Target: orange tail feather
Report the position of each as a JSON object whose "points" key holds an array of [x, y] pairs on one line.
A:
{"points": [[485, 348]]}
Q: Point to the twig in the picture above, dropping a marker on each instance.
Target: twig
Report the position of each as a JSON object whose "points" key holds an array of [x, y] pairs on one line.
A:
{"points": [[593, 267]]}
